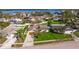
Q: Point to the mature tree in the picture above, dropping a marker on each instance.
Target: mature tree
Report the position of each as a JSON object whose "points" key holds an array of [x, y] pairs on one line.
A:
{"points": [[69, 17]]}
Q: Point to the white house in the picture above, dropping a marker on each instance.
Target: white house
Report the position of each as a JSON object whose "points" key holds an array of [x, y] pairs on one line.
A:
{"points": [[69, 31]]}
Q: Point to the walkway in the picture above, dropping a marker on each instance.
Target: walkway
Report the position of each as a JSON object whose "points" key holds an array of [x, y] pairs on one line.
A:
{"points": [[75, 37], [28, 41]]}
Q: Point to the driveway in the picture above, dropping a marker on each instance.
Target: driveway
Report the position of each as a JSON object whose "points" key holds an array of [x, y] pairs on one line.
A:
{"points": [[29, 39]]}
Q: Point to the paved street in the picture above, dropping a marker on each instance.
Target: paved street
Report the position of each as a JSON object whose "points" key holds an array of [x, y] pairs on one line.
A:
{"points": [[9, 42], [10, 38], [58, 45], [9, 30], [12, 28]]}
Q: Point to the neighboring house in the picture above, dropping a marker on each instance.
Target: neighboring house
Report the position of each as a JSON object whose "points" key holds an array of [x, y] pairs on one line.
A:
{"points": [[3, 20], [59, 28], [69, 31], [43, 28], [56, 18], [16, 20], [36, 19], [33, 19], [23, 15]]}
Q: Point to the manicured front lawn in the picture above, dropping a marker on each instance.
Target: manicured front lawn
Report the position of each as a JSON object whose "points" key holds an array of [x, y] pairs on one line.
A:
{"points": [[76, 33], [52, 36], [50, 22]]}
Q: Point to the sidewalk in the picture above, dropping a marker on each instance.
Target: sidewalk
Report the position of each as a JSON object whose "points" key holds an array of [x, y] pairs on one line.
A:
{"points": [[58, 45], [75, 37]]}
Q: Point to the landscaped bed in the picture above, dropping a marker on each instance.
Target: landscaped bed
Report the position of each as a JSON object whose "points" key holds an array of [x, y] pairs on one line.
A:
{"points": [[48, 37]]}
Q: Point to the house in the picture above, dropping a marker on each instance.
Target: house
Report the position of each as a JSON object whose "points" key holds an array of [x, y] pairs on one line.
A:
{"points": [[33, 19], [59, 28], [4, 20], [41, 27], [36, 19], [57, 16], [16, 20], [69, 31]]}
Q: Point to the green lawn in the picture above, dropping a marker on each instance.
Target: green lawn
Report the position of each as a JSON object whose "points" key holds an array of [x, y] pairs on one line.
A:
{"points": [[52, 36], [56, 22], [76, 33]]}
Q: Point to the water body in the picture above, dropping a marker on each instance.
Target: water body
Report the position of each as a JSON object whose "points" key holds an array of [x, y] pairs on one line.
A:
{"points": [[28, 10]]}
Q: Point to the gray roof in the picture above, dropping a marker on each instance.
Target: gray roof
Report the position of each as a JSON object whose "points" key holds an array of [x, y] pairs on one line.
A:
{"points": [[58, 25]]}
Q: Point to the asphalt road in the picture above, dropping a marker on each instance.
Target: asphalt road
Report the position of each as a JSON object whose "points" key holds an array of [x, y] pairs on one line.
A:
{"points": [[58, 45], [9, 42]]}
